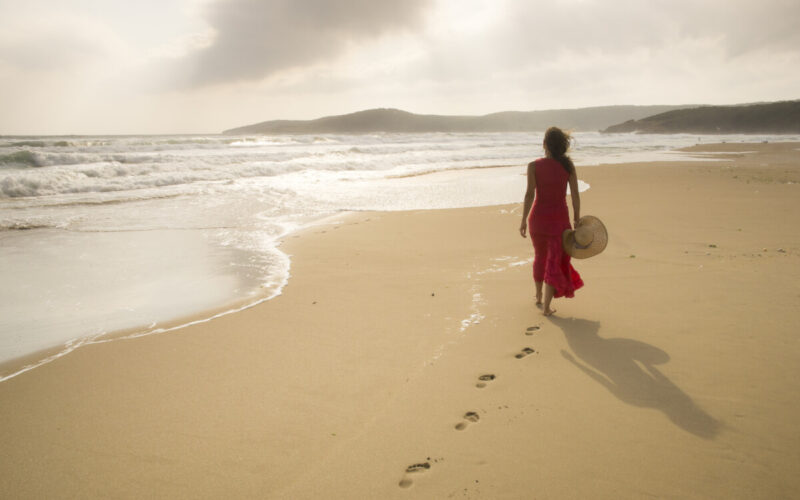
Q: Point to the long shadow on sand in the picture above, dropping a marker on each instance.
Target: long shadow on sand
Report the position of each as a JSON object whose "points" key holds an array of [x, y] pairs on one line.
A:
{"points": [[616, 364]]}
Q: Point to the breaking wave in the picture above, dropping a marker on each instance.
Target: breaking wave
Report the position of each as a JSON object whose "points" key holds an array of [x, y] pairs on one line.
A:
{"points": [[46, 168]]}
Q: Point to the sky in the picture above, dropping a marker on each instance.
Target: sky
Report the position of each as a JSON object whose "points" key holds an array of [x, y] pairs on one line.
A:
{"points": [[203, 66]]}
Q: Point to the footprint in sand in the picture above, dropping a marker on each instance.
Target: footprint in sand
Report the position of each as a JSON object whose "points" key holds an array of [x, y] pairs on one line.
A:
{"points": [[524, 353], [406, 482], [470, 416], [483, 379], [532, 329]]}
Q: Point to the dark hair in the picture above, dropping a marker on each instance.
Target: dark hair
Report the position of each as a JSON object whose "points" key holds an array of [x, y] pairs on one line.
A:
{"points": [[557, 143]]}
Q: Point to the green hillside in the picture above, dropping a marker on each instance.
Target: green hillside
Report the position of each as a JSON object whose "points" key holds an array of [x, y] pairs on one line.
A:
{"points": [[395, 120], [774, 118]]}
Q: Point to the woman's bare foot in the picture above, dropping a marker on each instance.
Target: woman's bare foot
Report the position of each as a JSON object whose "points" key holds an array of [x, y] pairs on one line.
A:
{"points": [[548, 312], [538, 300]]}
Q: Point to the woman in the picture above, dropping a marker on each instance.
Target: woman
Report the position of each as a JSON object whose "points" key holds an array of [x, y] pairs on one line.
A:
{"points": [[547, 181]]}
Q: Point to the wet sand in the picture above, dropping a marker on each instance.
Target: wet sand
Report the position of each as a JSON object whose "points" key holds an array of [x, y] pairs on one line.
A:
{"points": [[406, 359]]}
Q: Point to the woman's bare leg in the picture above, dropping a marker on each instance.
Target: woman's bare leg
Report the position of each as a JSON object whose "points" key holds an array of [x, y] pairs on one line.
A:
{"points": [[539, 292], [549, 291]]}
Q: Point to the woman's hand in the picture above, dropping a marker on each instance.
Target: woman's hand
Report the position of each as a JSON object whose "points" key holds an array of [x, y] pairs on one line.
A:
{"points": [[523, 228]]}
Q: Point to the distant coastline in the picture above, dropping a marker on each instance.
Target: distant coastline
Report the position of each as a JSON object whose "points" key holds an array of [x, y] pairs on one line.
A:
{"points": [[398, 121], [775, 118], [769, 118]]}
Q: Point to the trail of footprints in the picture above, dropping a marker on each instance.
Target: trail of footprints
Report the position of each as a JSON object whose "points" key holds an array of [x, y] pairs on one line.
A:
{"points": [[406, 482], [470, 417], [524, 352], [415, 469], [483, 379]]}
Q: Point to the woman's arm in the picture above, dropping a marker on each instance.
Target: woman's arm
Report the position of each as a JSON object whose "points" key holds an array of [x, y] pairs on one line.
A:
{"points": [[576, 195], [529, 193]]}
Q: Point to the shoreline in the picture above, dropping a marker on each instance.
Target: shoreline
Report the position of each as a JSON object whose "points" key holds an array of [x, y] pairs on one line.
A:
{"points": [[711, 152], [13, 367], [77, 317], [359, 381], [16, 366]]}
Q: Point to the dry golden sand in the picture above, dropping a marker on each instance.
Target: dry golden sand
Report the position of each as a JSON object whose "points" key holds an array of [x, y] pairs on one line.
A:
{"points": [[675, 373]]}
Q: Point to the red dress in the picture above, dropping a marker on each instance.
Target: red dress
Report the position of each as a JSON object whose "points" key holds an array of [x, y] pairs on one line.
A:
{"points": [[547, 221]]}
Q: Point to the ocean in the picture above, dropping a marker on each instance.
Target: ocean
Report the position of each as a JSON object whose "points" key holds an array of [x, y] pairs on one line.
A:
{"points": [[105, 233]]}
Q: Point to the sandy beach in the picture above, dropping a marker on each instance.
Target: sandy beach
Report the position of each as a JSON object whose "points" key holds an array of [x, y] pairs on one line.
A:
{"points": [[406, 359]]}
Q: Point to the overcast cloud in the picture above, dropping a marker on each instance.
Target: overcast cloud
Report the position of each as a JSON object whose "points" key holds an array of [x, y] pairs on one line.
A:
{"points": [[100, 66], [255, 38]]}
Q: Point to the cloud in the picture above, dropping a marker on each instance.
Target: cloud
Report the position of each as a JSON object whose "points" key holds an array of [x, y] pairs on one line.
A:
{"points": [[69, 43], [201, 65], [257, 38], [583, 45], [739, 27], [744, 27]]}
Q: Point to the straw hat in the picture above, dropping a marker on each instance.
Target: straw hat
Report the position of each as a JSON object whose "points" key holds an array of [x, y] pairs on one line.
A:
{"points": [[589, 238]]}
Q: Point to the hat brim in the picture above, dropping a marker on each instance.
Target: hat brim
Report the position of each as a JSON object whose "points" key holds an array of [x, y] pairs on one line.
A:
{"points": [[599, 238]]}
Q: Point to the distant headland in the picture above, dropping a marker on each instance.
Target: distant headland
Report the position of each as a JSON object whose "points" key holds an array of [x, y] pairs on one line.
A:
{"points": [[776, 117], [395, 120]]}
